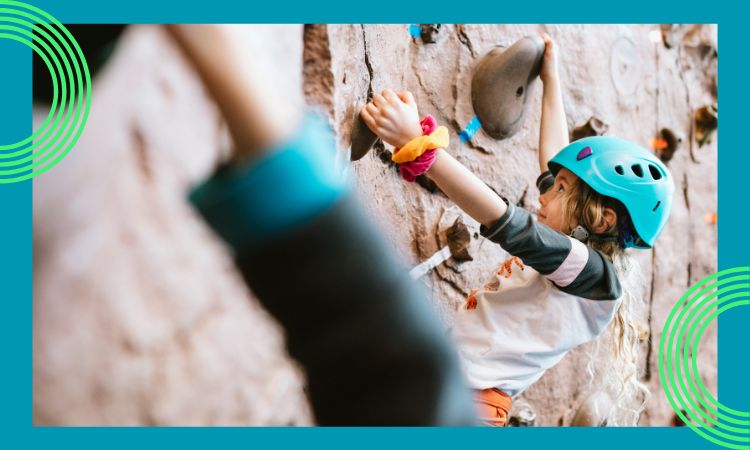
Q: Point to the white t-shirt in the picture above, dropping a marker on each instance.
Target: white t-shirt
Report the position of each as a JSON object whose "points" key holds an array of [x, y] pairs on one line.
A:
{"points": [[523, 328], [524, 323]]}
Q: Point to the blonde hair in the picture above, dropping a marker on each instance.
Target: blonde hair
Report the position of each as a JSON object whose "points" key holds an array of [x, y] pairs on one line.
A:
{"points": [[615, 373]]}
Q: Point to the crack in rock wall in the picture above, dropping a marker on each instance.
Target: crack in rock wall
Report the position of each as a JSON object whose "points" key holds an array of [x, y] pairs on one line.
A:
{"points": [[139, 315]]}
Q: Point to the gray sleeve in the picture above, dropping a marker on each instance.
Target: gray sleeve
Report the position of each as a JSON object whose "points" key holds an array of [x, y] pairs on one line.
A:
{"points": [[570, 265]]}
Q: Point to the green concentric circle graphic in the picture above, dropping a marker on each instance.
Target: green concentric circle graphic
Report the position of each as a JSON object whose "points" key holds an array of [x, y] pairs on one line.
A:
{"points": [[71, 91], [678, 358]]}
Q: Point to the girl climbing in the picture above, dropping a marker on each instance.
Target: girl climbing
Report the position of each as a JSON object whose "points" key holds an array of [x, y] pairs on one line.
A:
{"points": [[570, 277]]}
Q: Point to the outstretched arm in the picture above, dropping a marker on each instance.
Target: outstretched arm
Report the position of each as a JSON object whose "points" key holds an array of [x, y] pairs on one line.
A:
{"points": [[395, 119], [553, 133], [466, 189]]}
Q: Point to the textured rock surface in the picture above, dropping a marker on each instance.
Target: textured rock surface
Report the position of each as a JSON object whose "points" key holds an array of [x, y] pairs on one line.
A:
{"points": [[139, 317]]}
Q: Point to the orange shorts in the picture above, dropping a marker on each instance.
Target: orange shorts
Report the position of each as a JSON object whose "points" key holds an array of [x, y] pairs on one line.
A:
{"points": [[493, 406]]}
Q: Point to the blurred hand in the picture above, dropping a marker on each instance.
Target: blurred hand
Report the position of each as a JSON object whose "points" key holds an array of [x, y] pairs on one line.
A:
{"points": [[393, 117], [237, 69]]}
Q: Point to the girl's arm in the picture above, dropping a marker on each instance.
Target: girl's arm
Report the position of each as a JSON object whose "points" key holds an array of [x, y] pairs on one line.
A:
{"points": [[466, 190], [553, 133], [395, 119]]}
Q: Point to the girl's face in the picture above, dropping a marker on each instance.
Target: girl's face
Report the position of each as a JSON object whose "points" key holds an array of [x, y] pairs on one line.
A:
{"points": [[550, 212]]}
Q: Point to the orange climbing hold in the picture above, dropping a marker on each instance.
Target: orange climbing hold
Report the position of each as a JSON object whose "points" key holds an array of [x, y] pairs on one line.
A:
{"points": [[659, 143], [711, 218], [507, 267], [471, 300]]}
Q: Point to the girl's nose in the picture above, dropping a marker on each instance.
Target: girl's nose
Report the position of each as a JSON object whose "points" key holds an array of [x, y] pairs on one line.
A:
{"points": [[543, 199]]}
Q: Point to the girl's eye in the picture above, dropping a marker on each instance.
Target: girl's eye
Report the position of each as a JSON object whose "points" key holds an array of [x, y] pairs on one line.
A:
{"points": [[561, 189]]}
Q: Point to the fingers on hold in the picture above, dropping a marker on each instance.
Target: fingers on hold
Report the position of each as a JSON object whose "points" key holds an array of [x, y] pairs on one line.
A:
{"points": [[378, 100], [371, 113], [366, 117], [389, 95], [383, 121], [406, 97], [371, 109]]}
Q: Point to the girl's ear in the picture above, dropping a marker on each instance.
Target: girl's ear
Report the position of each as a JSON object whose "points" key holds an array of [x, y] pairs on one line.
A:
{"points": [[608, 221]]}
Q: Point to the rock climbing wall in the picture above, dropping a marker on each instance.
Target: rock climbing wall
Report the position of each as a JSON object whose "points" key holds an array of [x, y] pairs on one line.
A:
{"points": [[139, 316]]}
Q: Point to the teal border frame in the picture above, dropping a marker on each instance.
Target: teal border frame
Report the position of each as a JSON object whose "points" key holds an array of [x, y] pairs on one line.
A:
{"points": [[16, 221]]}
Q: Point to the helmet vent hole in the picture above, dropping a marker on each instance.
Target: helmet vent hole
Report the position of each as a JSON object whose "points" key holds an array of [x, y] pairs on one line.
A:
{"points": [[655, 174], [638, 170], [619, 170], [657, 205]]}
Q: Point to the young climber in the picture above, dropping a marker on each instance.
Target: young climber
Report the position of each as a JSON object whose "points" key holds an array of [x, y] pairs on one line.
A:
{"points": [[569, 277], [315, 262]]}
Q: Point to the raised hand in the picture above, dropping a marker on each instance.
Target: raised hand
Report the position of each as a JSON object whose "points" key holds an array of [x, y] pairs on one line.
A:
{"points": [[393, 117]]}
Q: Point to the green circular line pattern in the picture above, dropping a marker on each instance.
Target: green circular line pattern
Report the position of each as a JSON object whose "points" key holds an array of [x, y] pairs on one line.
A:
{"points": [[71, 92], [678, 358]]}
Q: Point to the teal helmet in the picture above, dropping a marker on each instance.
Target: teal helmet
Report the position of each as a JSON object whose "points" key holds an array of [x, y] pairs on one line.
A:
{"points": [[628, 173]]}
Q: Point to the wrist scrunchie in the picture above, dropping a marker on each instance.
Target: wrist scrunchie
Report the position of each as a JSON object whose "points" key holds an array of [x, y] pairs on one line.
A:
{"points": [[421, 150]]}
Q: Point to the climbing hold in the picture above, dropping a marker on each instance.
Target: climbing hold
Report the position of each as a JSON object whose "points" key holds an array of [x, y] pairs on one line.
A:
{"points": [[459, 238], [625, 66], [429, 32], [502, 84], [362, 138], [670, 34], [593, 411], [711, 218], [415, 31], [593, 127], [471, 300], [507, 266], [706, 121], [522, 416], [643, 331], [677, 420], [665, 144]]}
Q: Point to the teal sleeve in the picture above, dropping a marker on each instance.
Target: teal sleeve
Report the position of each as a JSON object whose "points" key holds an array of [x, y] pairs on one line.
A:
{"points": [[288, 186]]}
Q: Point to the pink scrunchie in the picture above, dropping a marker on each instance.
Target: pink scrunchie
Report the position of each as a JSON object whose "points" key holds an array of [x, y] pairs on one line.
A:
{"points": [[411, 170]]}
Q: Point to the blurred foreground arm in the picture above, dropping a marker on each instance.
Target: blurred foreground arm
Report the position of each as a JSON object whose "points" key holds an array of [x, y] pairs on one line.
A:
{"points": [[371, 346]]}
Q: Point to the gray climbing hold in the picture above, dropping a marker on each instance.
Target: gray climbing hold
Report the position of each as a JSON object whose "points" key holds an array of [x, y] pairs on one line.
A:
{"points": [[430, 32], [593, 127], [362, 138], [459, 238], [522, 415], [502, 84]]}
